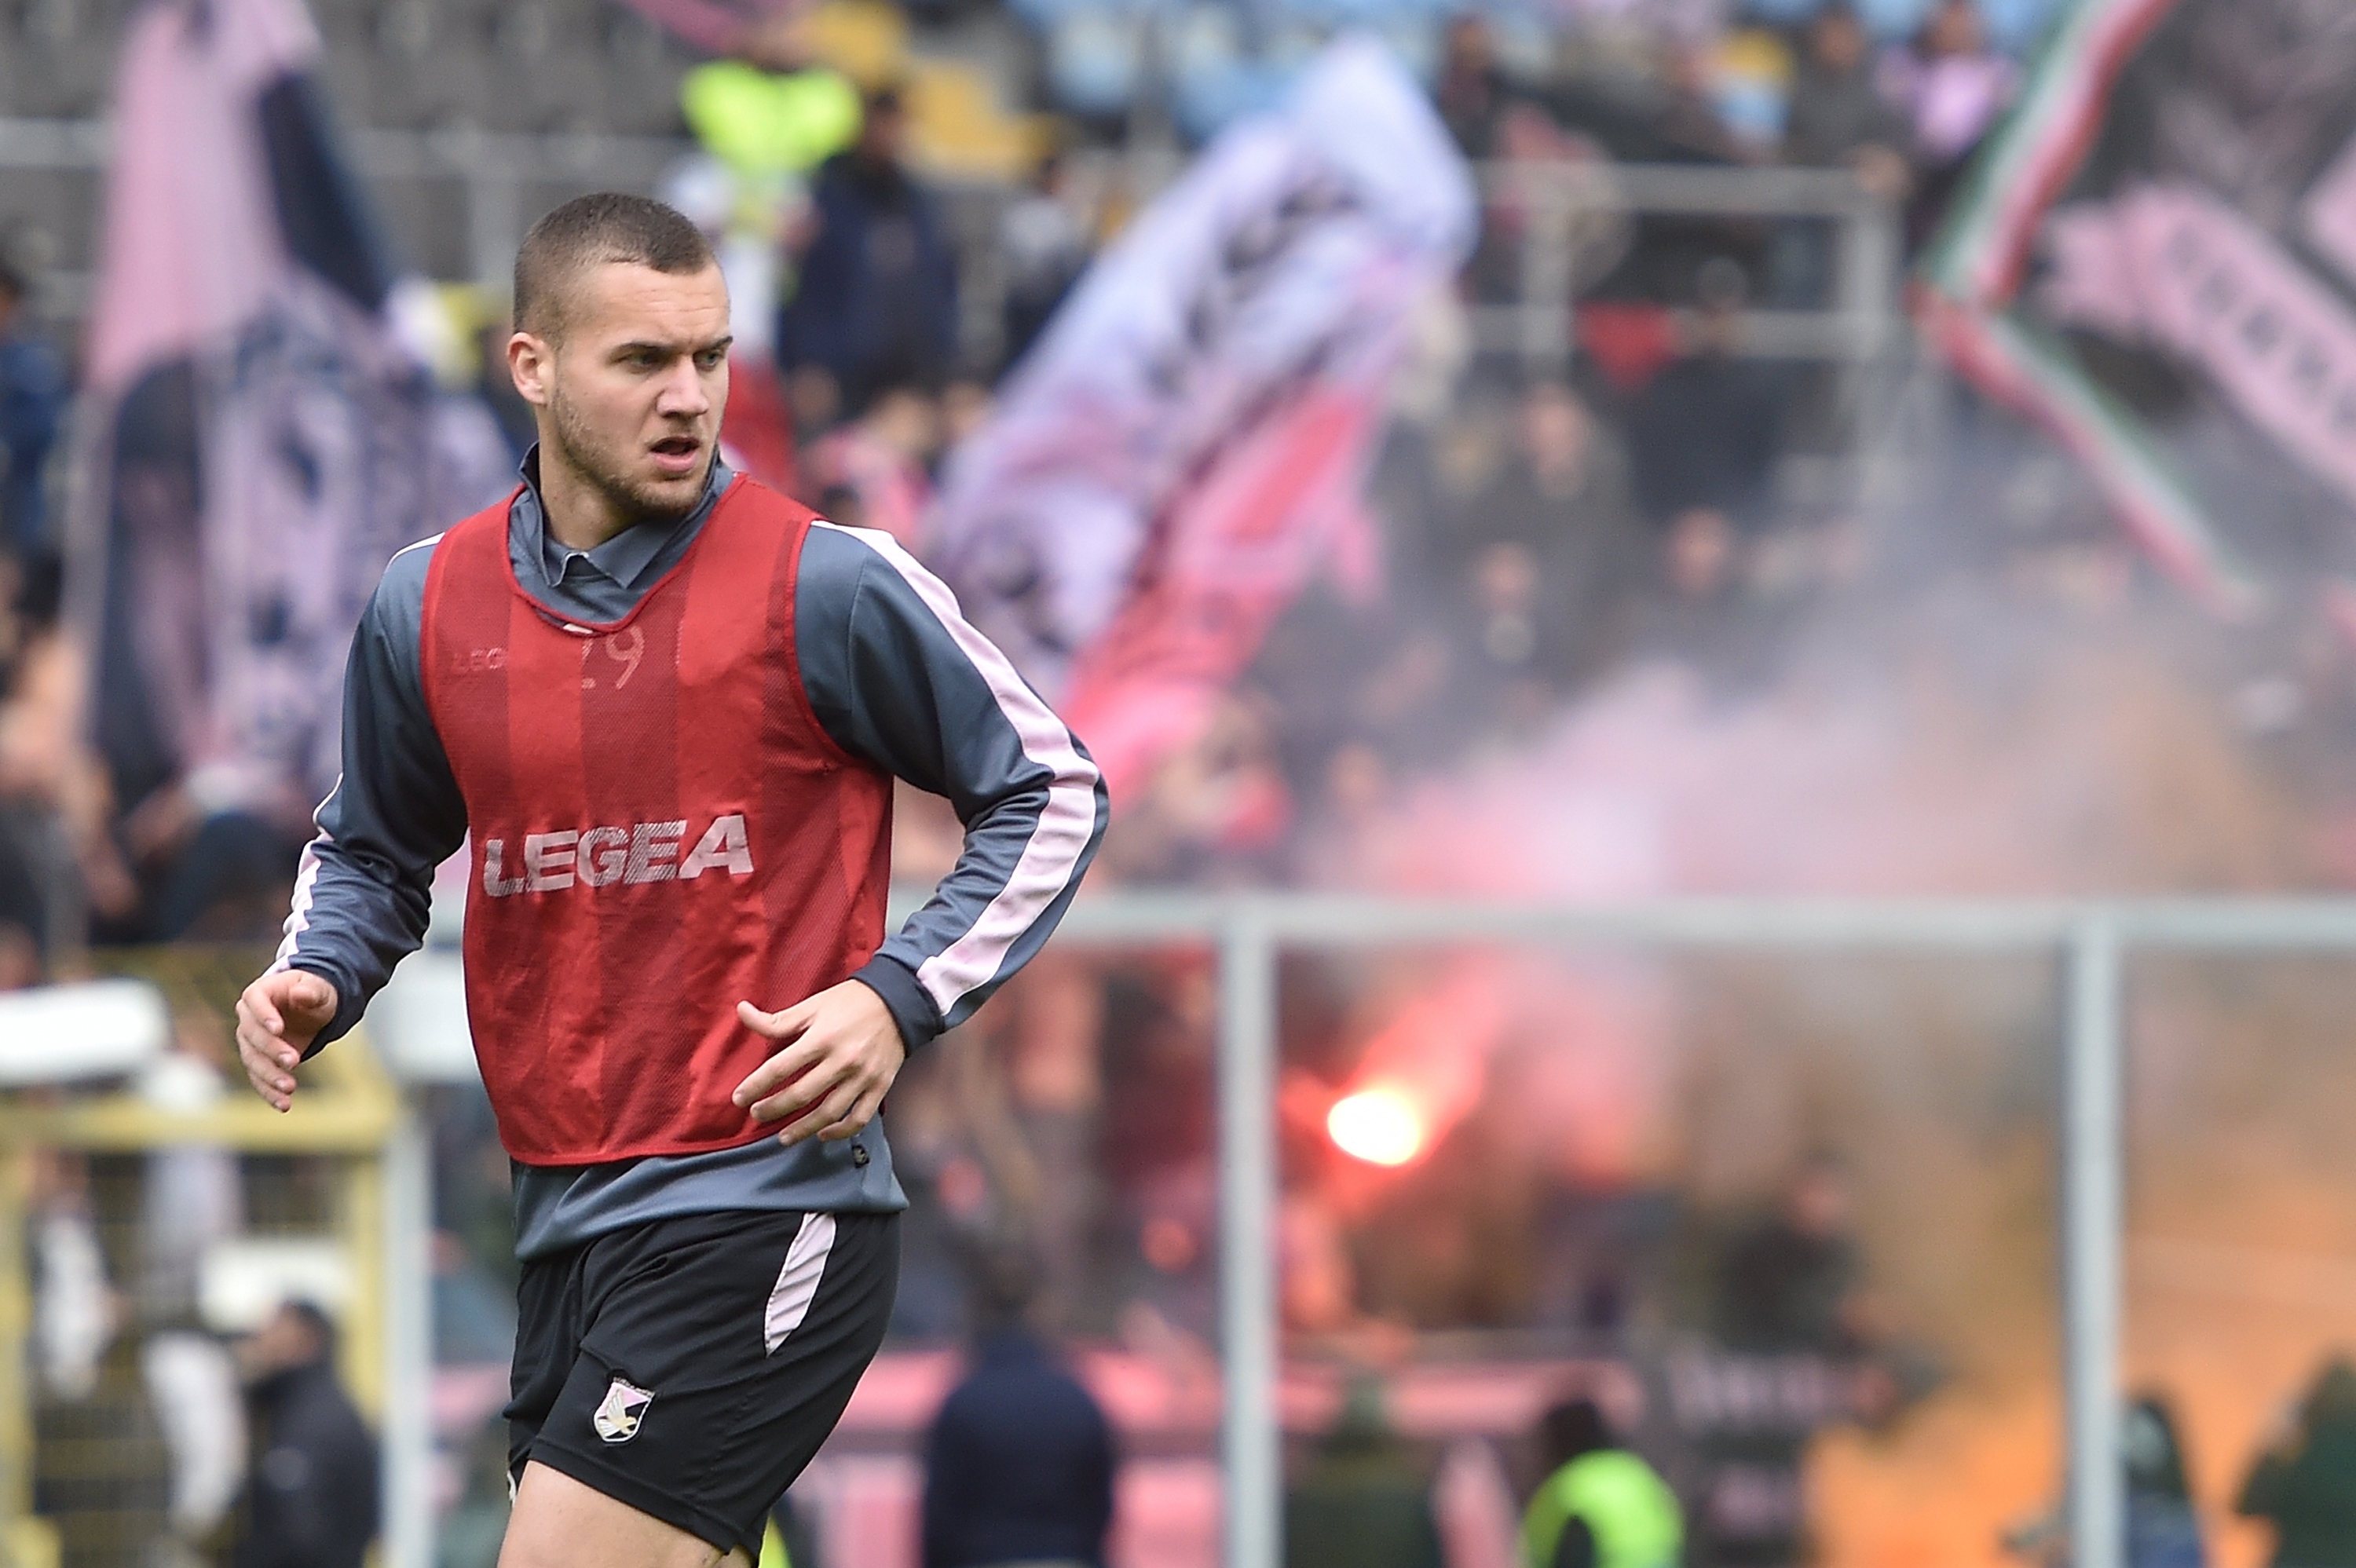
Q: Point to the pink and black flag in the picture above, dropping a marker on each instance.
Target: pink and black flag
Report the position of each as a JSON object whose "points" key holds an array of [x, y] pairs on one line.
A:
{"points": [[260, 440], [1185, 447]]}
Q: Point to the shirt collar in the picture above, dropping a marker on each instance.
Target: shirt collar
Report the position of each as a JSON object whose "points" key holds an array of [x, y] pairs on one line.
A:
{"points": [[1009, 1345], [626, 557]]}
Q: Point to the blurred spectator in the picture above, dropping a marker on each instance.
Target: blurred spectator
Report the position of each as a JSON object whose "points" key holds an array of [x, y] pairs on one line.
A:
{"points": [[1361, 1502], [191, 1382], [1789, 1284], [1045, 249], [1699, 615], [1562, 496], [1215, 807], [1504, 653], [1706, 431], [1019, 1463], [311, 1496], [1471, 92], [1687, 120], [771, 112], [1838, 116], [190, 1201], [192, 1198], [1600, 1505], [1951, 86], [54, 797], [2163, 1531], [2304, 1483], [879, 461], [32, 403], [1839, 119], [76, 1310], [876, 300], [763, 120], [24, 816], [1787, 1289]]}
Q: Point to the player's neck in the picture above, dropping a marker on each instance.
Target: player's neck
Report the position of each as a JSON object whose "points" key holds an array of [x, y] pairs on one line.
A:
{"points": [[579, 513]]}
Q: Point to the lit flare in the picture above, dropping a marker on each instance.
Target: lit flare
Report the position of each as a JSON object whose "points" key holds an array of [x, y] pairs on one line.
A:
{"points": [[1381, 1127]]}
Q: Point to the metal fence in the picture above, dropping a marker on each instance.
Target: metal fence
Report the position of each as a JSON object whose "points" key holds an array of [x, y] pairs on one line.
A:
{"points": [[496, 181], [371, 1206], [2092, 940]]}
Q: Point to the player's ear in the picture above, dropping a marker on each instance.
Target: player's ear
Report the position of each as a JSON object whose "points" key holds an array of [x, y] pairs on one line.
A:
{"points": [[532, 362]]}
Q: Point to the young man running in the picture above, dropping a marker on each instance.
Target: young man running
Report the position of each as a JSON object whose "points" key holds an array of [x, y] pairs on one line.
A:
{"points": [[668, 704]]}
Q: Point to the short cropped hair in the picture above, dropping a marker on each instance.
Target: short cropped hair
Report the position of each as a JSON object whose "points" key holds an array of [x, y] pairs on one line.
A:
{"points": [[1573, 1430], [588, 232], [314, 1318]]}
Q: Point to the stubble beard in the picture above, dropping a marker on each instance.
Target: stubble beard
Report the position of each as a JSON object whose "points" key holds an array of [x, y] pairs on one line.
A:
{"points": [[607, 470]]}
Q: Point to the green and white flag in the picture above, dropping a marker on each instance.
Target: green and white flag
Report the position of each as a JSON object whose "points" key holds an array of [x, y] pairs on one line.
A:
{"points": [[2156, 258]]}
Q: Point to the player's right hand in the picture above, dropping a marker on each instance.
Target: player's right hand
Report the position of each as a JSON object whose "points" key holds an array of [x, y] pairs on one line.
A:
{"points": [[277, 1019]]}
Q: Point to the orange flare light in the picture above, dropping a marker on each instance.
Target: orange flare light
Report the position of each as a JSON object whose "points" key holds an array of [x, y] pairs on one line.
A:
{"points": [[1380, 1126]]}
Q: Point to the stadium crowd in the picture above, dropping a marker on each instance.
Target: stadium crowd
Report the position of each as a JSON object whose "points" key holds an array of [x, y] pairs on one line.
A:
{"points": [[1652, 496], [1542, 526]]}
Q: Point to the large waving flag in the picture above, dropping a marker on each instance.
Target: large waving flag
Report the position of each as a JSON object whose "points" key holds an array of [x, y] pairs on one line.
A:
{"points": [[1186, 444], [2157, 259], [264, 443]]}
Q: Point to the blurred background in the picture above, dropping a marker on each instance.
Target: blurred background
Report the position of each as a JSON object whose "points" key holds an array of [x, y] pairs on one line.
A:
{"points": [[1571, 451]]}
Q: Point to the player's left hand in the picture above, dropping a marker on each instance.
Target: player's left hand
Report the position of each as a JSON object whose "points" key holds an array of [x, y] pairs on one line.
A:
{"points": [[842, 1052]]}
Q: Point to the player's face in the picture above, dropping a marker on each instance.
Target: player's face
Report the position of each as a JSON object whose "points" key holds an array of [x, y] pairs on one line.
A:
{"points": [[636, 387]]}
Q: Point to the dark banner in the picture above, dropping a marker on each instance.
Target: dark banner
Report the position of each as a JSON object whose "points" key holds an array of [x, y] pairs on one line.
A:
{"points": [[2157, 260]]}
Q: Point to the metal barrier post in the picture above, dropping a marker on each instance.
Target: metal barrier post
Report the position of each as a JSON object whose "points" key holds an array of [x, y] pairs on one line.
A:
{"points": [[1548, 209], [2093, 1158], [1250, 1440], [494, 225], [407, 1421]]}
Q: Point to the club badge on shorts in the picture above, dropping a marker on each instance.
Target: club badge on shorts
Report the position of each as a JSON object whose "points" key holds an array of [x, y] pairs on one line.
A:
{"points": [[623, 1407]]}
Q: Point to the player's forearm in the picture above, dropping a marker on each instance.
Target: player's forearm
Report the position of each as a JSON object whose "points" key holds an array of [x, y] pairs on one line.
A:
{"points": [[365, 889], [351, 920], [1023, 859]]}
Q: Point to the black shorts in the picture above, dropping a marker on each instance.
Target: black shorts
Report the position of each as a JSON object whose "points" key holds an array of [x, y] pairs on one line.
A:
{"points": [[691, 1367]]}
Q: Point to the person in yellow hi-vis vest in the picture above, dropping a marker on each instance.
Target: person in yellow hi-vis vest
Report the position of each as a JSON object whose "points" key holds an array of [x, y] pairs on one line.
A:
{"points": [[1599, 1506]]}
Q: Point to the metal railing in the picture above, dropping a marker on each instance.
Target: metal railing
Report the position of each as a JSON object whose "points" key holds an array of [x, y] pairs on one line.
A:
{"points": [[1859, 324], [493, 170], [2092, 939], [352, 1111]]}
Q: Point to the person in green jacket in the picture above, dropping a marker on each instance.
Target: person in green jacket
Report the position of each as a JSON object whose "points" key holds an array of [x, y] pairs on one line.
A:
{"points": [[1599, 1506], [2305, 1485], [1362, 1502]]}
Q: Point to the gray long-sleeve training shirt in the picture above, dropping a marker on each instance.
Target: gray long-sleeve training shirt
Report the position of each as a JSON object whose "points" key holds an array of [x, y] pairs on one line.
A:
{"points": [[895, 677]]}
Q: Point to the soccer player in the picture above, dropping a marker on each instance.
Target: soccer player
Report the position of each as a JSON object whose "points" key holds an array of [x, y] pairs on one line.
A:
{"points": [[667, 705]]}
